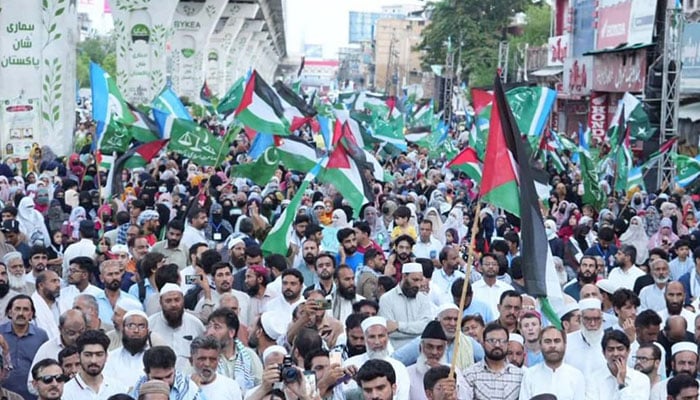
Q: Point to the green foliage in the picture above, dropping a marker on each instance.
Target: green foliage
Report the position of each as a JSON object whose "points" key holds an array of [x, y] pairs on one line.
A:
{"points": [[475, 27], [100, 50]]}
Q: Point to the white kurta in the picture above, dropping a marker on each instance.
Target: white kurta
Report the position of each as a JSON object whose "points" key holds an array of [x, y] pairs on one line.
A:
{"points": [[46, 318], [243, 304], [403, 382], [583, 356], [567, 382], [601, 385], [70, 292], [659, 391], [128, 367], [223, 388], [178, 338], [77, 389], [490, 295], [412, 315]]}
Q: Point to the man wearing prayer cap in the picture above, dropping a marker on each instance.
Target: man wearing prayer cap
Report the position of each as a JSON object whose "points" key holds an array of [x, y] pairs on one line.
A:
{"points": [[271, 328], [684, 361], [583, 349], [516, 350], [406, 309], [173, 324], [433, 343], [570, 316], [377, 342], [126, 361], [154, 390]]}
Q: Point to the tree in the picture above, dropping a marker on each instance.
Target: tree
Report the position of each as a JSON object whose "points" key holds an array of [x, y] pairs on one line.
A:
{"points": [[475, 28], [100, 49], [535, 33]]}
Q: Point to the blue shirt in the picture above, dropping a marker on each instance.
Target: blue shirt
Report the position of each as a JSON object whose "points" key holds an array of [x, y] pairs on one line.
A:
{"points": [[533, 359], [22, 351], [106, 310], [408, 353], [574, 290], [353, 261], [150, 290], [481, 308]]}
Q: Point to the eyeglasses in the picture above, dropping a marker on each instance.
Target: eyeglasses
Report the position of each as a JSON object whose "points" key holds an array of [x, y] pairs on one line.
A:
{"points": [[496, 342], [46, 379]]}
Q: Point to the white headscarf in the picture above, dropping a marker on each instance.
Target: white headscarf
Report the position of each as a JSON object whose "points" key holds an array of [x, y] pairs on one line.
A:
{"points": [[339, 219], [31, 223], [636, 236], [433, 215]]}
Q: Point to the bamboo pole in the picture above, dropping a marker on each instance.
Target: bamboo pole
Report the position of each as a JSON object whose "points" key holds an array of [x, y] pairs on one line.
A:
{"points": [[470, 261]]}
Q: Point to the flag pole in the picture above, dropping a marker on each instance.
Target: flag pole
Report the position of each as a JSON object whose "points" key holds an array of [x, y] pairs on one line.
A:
{"points": [[462, 299]]}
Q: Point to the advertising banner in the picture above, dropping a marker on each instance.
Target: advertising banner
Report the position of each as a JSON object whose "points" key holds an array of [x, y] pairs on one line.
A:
{"points": [[690, 55], [598, 115], [578, 75], [557, 50], [620, 72], [625, 22], [37, 76], [584, 27]]}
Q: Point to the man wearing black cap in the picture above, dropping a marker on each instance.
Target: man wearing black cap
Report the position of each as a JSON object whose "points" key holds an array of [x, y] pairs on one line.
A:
{"points": [[432, 354], [10, 228]]}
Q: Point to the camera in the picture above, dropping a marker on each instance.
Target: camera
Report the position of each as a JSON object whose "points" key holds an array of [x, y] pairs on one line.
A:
{"points": [[288, 373]]}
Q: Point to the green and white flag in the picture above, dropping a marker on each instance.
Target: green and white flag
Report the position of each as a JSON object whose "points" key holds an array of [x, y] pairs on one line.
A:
{"points": [[635, 178], [636, 119], [232, 98], [687, 169], [261, 170], [192, 141], [278, 239]]}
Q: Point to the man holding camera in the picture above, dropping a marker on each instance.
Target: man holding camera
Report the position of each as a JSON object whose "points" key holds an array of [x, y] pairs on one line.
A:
{"points": [[280, 378]]}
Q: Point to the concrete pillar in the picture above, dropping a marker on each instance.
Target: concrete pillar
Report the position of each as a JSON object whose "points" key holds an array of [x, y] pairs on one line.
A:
{"points": [[141, 36], [193, 24], [238, 59]]}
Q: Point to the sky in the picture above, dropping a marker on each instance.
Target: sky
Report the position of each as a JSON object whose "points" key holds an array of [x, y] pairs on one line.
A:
{"points": [[325, 22]]}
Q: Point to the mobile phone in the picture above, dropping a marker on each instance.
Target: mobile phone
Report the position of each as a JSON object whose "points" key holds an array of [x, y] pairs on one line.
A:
{"points": [[310, 379], [192, 279], [335, 357], [324, 304]]}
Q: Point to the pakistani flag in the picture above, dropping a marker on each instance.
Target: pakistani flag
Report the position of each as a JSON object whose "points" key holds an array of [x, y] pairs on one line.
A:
{"points": [[592, 193], [261, 170], [278, 239], [191, 140], [167, 101], [111, 112], [687, 169], [635, 118], [261, 109]]}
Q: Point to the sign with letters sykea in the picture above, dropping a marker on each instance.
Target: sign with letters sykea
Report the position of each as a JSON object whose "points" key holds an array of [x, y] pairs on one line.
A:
{"points": [[37, 75]]}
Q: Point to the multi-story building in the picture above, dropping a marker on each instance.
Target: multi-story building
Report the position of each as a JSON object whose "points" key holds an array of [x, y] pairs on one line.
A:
{"points": [[397, 63]]}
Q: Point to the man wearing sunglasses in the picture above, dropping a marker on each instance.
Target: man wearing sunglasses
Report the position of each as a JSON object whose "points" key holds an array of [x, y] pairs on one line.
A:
{"points": [[48, 379]]}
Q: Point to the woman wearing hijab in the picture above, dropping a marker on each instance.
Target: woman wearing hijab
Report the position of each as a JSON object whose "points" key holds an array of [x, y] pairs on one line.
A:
{"points": [[636, 236], [55, 215], [71, 227], [31, 222], [378, 232], [652, 220], [339, 220], [454, 221], [664, 238], [432, 215]]}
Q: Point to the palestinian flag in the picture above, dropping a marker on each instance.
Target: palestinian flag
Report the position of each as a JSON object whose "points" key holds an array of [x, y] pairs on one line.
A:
{"points": [[665, 148], [278, 239], [111, 112], [296, 154], [135, 157], [467, 162], [261, 109], [296, 111], [167, 101], [144, 129], [516, 178]]}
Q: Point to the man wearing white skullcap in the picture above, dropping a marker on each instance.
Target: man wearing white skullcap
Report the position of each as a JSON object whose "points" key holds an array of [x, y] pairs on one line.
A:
{"points": [[406, 309], [176, 326], [126, 361], [684, 360], [583, 349], [377, 341]]}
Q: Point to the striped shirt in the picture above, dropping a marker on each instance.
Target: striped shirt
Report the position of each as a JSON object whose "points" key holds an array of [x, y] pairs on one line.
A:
{"points": [[486, 384]]}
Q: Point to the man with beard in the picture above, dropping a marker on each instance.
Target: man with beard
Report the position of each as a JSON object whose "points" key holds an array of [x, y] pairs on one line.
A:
{"points": [[6, 292], [494, 377], [173, 324], [675, 297], [553, 375], [236, 361], [38, 257], [48, 380], [159, 364], [651, 297], [515, 353], [354, 338], [126, 360], [369, 273], [347, 253], [401, 254], [583, 346], [15, 278], [509, 306], [433, 344], [79, 272], [172, 247], [325, 265], [297, 239], [377, 340], [292, 285], [204, 356], [312, 315], [444, 277], [587, 273], [256, 278], [111, 272], [48, 289], [647, 361], [684, 361], [223, 283], [489, 288], [647, 327], [406, 309], [89, 382], [307, 263], [616, 380], [469, 349], [345, 294], [236, 255]]}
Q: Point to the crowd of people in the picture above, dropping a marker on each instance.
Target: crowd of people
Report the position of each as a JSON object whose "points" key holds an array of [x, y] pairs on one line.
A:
{"points": [[164, 291]]}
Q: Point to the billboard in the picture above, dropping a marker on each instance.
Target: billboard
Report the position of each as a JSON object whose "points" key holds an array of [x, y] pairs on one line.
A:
{"points": [[625, 22], [362, 26], [690, 56], [584, 27], [620, 73]]}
